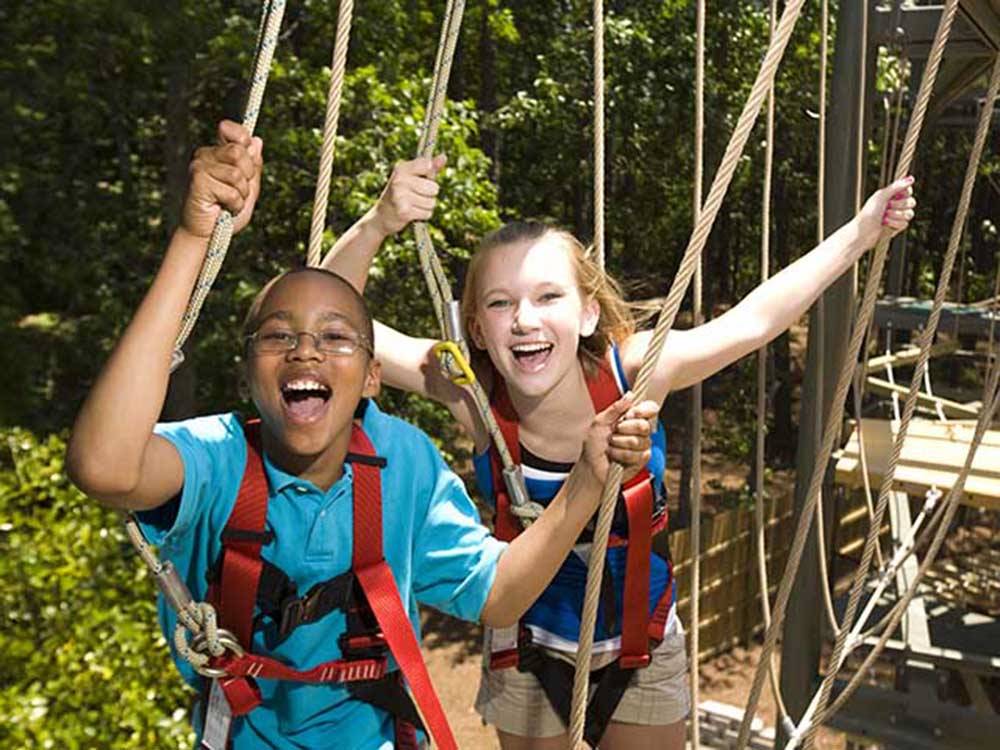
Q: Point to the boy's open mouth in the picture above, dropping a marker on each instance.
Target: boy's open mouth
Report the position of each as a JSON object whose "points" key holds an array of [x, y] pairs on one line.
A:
{"points": [[531, 356], [305, 398]]}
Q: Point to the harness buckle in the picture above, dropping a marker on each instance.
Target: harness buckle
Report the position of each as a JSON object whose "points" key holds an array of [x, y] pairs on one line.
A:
{"points": [[634, 662], [357, 645], [295, 612]]}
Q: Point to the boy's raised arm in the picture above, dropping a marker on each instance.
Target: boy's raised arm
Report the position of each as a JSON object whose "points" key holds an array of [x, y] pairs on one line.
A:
{"points": [[409, 196], [113, 454]]}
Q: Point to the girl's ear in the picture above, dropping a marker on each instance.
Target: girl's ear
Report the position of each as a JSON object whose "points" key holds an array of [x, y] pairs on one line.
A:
{"points": [[476, 332], [373, 379], [589, 317]]}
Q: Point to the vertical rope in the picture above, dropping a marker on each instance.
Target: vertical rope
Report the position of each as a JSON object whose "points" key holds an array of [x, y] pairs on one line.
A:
{"points": [[599, 132], [696, 401], [843, 382], [437, 280], [337, 69], [678, 289], [859, 153], [218, 244], [759, 498]]}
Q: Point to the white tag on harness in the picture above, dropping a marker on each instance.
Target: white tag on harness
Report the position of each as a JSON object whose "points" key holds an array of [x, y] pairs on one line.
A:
{"points": [[218, 719], [503, 639]]}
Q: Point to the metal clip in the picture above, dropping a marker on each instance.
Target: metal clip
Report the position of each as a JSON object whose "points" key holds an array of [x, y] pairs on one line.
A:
{"points": [[175, 591], [451, 359], [453, 321], [514, 479], [227, 640]]}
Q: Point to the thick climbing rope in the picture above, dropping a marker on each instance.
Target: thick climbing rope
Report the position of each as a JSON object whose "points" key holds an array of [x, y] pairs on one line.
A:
{"points": [[927, 339], [222, 234], [198, 618], [691, 258], [337, 69], [761, 432], [832, 429], [454, 350], [697, 318], [599, 132]]}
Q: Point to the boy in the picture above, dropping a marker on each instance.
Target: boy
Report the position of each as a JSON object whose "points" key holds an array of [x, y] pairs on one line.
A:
{"points": [[309, 363]]}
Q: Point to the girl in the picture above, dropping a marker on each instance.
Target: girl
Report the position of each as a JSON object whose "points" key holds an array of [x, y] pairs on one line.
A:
{"points": [[548, 325], [311, 373]]}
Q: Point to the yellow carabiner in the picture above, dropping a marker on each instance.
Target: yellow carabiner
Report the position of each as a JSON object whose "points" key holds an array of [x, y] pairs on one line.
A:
{"points": [[467, 376]]}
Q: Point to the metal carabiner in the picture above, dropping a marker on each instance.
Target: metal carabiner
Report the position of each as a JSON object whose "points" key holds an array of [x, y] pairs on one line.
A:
{"points": [[227, 640], [450, 349]]}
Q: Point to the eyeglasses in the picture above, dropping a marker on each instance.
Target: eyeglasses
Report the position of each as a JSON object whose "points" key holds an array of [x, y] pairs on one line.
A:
{"points": [[340, 342]]}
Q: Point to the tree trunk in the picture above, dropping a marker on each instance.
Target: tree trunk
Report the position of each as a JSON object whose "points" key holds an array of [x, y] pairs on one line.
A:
{"points": [[488, 94]]}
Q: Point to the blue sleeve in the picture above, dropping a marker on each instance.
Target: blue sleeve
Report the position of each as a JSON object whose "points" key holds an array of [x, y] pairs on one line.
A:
{"points": [[207, 449], [455, 556]]}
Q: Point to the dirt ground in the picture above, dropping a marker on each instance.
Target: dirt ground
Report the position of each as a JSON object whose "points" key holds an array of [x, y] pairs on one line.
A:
{"points": [[452, 651]]}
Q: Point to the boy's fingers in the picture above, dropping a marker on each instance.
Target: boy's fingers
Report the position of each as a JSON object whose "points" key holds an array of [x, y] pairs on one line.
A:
{"points": [[233, 132]]}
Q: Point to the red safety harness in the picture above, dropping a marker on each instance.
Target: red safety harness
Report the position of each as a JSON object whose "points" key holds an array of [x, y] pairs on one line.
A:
{"points": [[376, 597], [639, 628]]}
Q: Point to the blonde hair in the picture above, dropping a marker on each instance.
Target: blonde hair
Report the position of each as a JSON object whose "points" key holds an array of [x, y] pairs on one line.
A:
{"points": [[616, 320]]}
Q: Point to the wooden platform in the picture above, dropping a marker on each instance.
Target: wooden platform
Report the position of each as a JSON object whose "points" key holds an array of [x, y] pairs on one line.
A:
{"points": [[933, 454]]}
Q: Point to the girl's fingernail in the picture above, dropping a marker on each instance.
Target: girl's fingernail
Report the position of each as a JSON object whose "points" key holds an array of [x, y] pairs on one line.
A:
{"points": [[899, 195]]}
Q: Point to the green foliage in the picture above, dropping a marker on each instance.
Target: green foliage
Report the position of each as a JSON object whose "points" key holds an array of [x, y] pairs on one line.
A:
{"points": [[82, 660]]}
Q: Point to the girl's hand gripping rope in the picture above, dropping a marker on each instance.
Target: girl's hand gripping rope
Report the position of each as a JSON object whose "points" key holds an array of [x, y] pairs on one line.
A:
{"points": [[888, 211], [621, 433], [409, 195]]}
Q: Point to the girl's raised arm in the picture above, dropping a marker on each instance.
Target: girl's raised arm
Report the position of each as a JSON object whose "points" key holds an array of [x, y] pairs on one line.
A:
{"points": [[690, 356], [113, 454], [409, 196], [408, 363]]}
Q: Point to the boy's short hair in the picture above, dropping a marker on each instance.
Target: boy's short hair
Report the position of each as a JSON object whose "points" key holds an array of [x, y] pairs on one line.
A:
{"points": [[251, 321]]}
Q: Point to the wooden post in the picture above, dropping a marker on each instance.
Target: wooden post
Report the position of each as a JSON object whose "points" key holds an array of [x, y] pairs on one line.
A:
{"points": [[804, 625]]}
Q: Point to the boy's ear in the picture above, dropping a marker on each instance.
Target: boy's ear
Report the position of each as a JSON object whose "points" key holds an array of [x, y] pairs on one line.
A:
{"points": [[590, 317], [373, 379]]}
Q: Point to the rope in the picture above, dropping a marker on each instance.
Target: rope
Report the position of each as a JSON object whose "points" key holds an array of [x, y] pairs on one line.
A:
{"points": [[599, 132], [843, 383], [442, 299], [765, 267], [927, 338], [859, 152], [222, 234], [337, 69], [696, 400], [691, 258]]}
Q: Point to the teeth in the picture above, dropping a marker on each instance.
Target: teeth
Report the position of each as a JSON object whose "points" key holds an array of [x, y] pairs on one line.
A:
{"points": [[530, 348], [304, 385]]}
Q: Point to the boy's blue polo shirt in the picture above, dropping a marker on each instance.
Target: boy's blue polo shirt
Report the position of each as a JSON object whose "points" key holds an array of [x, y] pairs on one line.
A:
{"points": [[439, 553]]}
